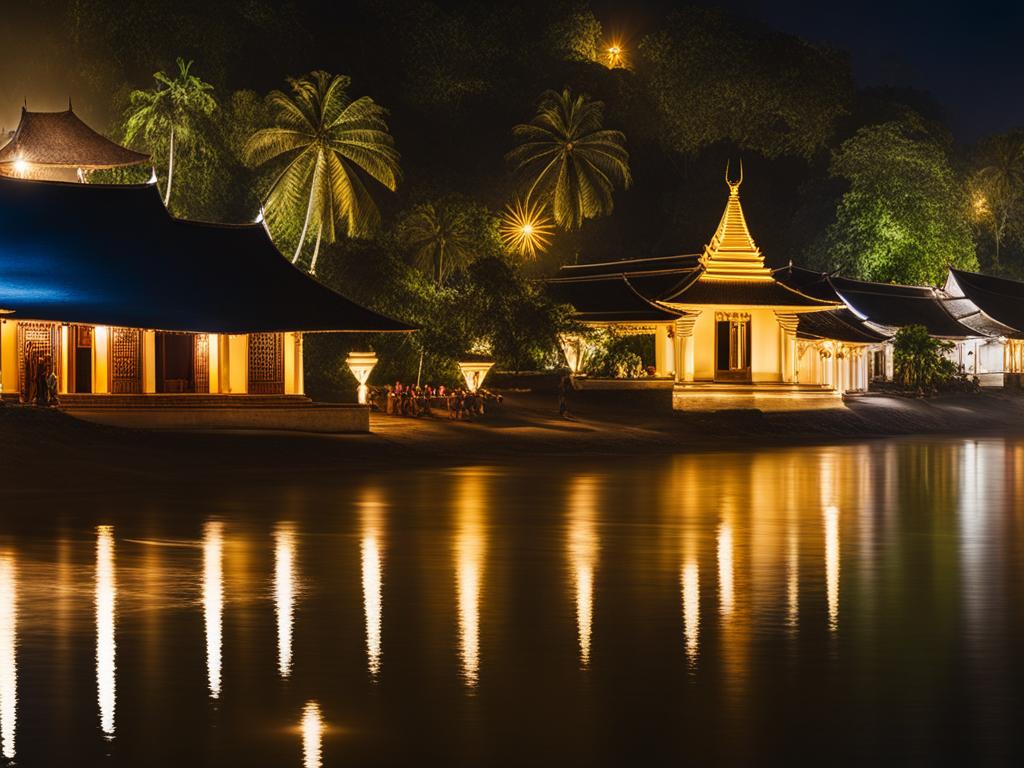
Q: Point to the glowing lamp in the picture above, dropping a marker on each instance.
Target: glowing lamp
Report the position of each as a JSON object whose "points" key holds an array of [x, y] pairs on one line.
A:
{"points": [[20, 167], [361, 363], [474, 372], [576, 351], [526, 228]]}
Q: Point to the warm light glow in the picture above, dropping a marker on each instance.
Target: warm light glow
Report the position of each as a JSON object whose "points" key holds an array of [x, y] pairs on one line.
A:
{"points": [[615, 55], [583, 545], [21, 167], [832, 565], [8, 655], [373, 580], [689, 580], [474, 372], [470, 543], [213, 601], [106, 648], [312, 735], [361, 364], [725, 584], [793, 579], [284, 594], [526, 228]]}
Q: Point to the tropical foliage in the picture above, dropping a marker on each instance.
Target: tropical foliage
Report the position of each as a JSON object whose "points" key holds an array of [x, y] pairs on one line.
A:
{"points": [[904, 216], [444, 236], [171, 114], [997, 189], [918, 360], [323, 140], [568, 161]]}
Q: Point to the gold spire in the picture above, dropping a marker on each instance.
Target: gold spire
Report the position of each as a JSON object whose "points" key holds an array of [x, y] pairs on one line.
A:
{"points": [[731, 254]]}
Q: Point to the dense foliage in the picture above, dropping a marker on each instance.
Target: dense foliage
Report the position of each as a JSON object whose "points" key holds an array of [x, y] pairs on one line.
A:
{"points": [[918, 360]]}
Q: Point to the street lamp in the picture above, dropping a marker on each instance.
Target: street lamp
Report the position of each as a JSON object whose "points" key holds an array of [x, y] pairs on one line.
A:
{"points": [[361, 363]]}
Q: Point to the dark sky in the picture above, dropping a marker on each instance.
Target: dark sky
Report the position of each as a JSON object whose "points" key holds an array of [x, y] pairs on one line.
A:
{"points": [[967, 55]]}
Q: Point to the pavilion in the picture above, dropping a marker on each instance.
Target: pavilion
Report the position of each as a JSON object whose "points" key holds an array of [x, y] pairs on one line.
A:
{"points": [[728, 332], [58, 146]]}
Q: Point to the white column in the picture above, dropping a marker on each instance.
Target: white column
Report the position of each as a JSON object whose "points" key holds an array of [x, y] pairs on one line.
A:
{"points": [[684, 347]]}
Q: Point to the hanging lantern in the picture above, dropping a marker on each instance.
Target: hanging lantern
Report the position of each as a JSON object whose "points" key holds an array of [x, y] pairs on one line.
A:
{"points": [[474, 370], [361, 363]]}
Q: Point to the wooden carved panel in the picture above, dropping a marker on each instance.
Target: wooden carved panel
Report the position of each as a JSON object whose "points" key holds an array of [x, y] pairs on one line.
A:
{"points": [[125, 361], [266, 363], [201, 361], [40, 341]]}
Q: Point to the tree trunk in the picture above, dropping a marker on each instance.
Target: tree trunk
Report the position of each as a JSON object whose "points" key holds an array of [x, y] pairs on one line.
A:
{"points": [[316, 250], [305, 224], [170, 172]]}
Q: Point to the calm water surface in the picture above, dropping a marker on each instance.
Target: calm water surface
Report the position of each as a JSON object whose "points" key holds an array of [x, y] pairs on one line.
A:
{"points": [[822, 605]]}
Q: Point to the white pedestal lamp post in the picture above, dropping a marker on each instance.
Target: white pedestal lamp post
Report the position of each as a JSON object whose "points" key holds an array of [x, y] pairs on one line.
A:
{"points": [[361, 363]]}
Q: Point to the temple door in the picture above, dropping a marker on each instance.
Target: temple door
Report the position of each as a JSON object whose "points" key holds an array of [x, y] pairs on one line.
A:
{"points": [[201, 362], [266, 363], [732, 348], [125, 361], [38, 344]]}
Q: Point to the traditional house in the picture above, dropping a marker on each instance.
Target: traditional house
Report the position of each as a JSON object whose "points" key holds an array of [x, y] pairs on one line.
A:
{"points": [[727, 330], [994, 308], [122, 302], [58, 146]]}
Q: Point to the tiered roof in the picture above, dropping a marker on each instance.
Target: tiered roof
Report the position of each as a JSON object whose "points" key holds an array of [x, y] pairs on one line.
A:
{"points": [[62, 140], [732, 254], [991, 305]]}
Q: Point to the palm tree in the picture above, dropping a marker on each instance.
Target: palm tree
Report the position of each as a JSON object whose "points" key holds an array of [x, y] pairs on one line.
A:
{"points": [[172, 109], [567, 161], [324, 139], [998, 186], [440, 236]]}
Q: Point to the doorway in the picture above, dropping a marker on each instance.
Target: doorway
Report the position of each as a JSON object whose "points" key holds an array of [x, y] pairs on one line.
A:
{"points": [[732, 349], [175, 363], [81, 339]]}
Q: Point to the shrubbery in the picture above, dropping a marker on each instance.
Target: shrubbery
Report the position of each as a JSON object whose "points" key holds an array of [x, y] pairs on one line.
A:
{"points": [[919, 363]]}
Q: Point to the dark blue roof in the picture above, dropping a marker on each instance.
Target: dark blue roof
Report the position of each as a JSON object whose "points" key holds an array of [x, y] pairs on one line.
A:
{"points": [[112, 255]]}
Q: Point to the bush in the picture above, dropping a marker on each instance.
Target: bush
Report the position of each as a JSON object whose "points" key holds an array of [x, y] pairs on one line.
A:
{"points": [[622, 357], [919, 363]]}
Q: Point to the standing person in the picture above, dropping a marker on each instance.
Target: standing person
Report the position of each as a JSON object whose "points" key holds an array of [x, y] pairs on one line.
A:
{"points": [[42, 392], [51, 387], [564, 387]]}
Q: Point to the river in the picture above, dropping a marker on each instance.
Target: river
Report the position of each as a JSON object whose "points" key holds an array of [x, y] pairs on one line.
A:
{"points": [[860, 603]]}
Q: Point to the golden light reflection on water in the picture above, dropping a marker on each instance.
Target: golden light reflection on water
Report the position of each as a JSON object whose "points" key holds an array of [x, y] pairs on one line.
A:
{"points": [[312, 735], [8, 654], [583, 546], [106, 648], [726, 595], [470, 550], [371, 513], [792, 575], [213, 601], [284, 594], [690, 586], [832, 564]]}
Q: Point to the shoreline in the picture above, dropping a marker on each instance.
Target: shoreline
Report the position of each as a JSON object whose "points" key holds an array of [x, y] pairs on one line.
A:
{"points": [[48, 449]]}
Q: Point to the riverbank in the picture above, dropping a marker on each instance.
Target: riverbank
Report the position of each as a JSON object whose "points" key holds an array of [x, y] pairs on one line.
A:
{"points": [[45, 449]]}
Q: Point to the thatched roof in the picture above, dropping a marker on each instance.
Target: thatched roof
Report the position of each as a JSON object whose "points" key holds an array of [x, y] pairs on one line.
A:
{"points": [[61, 139]]}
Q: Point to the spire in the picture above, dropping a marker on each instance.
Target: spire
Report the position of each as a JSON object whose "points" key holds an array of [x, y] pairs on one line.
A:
{"points": [[732, 254]]}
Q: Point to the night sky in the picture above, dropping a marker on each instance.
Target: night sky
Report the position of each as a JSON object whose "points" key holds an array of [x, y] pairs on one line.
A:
{"points": [[967, 55]]}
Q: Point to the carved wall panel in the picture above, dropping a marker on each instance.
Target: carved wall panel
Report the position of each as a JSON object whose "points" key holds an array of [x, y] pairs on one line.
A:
{"points": [[266, 363], [125, 361]]}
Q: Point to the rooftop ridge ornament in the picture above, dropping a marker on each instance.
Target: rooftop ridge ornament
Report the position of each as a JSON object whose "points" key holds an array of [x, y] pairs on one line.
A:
{"points": [[732, 253]]}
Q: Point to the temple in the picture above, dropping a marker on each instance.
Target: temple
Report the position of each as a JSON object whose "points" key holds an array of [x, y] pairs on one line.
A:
{"points": [[728, 332], [133, 310], [58, 146]]}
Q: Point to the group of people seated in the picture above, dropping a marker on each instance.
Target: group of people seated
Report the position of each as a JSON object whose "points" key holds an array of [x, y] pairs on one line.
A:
{"points": [[407, 400]]}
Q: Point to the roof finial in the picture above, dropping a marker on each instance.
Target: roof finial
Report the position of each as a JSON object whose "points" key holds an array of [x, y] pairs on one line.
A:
{"points": [[734, 186]]}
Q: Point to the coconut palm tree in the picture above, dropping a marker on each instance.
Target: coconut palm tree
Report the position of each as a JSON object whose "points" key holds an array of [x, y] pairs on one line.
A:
{"points": [[567, 161], [171, 110], [998, 186], [323, 140], [440, 237]]}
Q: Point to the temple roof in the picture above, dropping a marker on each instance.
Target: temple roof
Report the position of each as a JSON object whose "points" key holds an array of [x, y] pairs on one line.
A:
{"points": [[897, 306], [608, 298], [838, 324], [62, 139], [732, 254], [112, 255], [995, 303]]}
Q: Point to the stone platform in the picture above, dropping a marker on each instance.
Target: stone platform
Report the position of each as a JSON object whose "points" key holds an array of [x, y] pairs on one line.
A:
{"points": [[769, 397], [291, 413]]}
